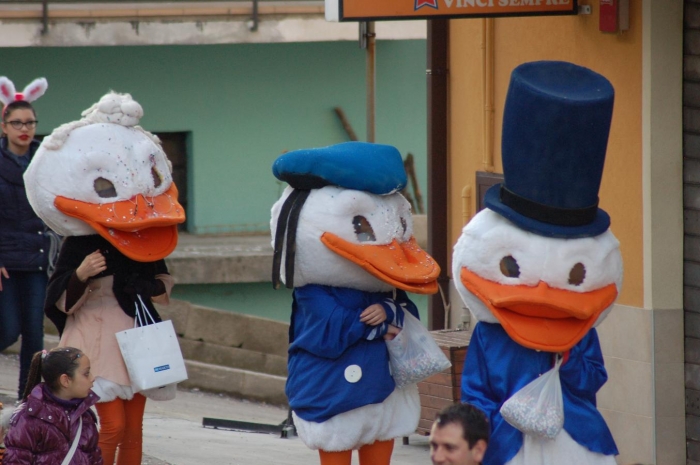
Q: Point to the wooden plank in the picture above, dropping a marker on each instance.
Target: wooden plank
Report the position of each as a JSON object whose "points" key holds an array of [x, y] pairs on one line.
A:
{"points": [[451, 339]]}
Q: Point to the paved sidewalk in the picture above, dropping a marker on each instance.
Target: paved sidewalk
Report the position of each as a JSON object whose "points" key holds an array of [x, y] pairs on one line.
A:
{"points": [[173, 432]]}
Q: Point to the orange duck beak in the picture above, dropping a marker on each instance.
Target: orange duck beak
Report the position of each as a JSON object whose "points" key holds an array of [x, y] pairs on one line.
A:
{"points": [[402, 264], [541, 317], [143, 229]]}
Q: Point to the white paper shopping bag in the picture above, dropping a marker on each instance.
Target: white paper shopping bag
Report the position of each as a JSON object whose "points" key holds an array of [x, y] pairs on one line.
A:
{"points": [[151, 353]]}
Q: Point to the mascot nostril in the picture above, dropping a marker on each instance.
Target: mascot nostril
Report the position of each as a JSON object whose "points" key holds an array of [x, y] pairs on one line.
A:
{"points": [[343, 240], [539, 268]]}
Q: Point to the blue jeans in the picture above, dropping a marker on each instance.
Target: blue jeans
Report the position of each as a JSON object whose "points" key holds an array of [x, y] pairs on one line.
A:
{"points": [[22, 313]]}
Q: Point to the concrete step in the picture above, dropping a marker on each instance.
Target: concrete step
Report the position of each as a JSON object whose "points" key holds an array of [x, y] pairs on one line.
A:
{"points": [[233, 357], [236, 382]]}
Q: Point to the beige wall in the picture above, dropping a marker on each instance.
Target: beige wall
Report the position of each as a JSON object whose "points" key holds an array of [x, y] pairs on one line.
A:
{"points": [[642, 339], [572, 38]]}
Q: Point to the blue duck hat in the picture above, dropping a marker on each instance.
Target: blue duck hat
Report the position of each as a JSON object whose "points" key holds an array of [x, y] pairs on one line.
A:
{"points": [[361, 166], [556, 123]]}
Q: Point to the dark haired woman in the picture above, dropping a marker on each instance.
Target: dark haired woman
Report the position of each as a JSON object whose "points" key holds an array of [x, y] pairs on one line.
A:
{"points": [[24, 242], [55, 419]]}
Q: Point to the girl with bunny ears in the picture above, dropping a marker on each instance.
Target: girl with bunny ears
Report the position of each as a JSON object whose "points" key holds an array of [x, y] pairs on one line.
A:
{"points": [[24, 242]]}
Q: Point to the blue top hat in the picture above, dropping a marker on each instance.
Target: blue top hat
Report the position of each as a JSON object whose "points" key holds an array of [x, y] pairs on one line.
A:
{"points": [[361, 166], [556, 123]]}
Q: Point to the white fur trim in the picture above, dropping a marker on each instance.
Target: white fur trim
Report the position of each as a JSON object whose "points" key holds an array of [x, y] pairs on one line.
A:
{"points": [[109, 390], [35, 89], [5, 417], [332, 209], [8, 94], [561, 449], [489, 237], [397, 416]]}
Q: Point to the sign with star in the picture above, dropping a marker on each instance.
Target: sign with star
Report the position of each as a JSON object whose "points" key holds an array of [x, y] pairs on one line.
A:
{"points": [[377, 10]]}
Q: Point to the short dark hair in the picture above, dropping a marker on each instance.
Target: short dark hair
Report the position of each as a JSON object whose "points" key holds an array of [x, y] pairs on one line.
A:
{"points": [[16, 105], [474, 423]]}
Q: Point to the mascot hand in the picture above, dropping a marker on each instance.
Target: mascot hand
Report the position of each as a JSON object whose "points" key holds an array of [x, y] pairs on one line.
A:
{"points": [[373, 315], [391, 332], [92, 265]]}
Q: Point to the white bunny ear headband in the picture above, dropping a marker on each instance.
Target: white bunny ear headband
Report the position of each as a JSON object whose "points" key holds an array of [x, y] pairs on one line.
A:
{"points": [[33, 91]]}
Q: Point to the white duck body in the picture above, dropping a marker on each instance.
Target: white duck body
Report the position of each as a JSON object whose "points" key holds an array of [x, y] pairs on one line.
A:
{"points": [[484, 242], [331, 210]]}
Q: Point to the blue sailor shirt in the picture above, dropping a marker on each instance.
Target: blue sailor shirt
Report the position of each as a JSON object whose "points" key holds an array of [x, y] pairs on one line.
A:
{"points": [[326, 337], [497, 367]]}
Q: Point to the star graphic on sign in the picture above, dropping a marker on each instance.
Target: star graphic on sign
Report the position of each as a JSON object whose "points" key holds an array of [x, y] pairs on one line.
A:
{"points": [[422, 3]]}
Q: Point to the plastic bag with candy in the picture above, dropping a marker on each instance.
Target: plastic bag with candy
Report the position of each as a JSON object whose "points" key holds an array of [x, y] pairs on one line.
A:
{"points": [[537, 408], [413, 354]]}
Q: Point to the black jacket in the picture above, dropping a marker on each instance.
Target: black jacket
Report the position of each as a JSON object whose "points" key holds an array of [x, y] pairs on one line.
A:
{"points": [[24, 246]]}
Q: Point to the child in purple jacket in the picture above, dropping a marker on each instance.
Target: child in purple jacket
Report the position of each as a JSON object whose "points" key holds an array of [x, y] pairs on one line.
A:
{"points": [[44, 428]]}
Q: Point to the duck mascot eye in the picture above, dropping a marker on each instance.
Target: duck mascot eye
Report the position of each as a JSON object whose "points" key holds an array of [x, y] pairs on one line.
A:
{"points": [[539, 268], [343, 240]]}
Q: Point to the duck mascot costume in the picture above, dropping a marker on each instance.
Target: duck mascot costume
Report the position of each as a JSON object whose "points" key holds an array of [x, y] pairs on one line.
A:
{"points": [[343, 240], [539, 268], [105, 184]]}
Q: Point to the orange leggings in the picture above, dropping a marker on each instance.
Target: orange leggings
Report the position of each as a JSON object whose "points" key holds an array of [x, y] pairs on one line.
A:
{"points": [[377, 453], [121, 425]]}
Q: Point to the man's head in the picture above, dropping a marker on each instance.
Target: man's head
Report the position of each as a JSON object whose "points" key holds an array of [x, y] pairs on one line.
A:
{"points": [[459, 436]]}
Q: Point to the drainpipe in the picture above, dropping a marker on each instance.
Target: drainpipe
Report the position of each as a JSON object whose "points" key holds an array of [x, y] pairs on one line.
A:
{"points": [[487, 63], [438, 32], [44, 17], [371, 78], [256, 18]]}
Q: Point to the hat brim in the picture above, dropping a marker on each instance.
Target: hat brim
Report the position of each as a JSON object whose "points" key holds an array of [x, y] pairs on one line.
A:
{"points": [[601, 223]]}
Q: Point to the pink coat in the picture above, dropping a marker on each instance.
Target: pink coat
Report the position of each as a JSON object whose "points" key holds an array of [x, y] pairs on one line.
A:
{"points": [[93, 323], [42, 432]]}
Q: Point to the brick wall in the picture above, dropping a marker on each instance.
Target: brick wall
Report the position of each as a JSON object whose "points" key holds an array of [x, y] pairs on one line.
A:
{"points": [[691, 195]]}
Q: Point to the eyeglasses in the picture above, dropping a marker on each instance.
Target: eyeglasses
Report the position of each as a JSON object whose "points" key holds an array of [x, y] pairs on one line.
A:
{"points": [[17, 124]]}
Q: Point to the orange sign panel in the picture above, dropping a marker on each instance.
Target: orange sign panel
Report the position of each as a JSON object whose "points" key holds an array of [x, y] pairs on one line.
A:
{"points": [[365, 10]]}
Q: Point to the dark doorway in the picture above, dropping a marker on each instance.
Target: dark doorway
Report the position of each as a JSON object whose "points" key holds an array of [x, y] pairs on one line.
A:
{"points": [[175, 147]]}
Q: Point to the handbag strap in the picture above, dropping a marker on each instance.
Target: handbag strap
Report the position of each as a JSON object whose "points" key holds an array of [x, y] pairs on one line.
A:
{"points": [[140, 320], [74, 446]]}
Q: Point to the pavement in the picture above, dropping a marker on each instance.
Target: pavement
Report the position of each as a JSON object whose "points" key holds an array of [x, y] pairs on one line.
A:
{"points": [[174, 435]]}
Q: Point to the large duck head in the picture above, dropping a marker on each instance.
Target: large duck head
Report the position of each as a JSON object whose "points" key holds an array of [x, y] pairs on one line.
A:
{"points": [[342, 222], [104, 174], [541, 260]]}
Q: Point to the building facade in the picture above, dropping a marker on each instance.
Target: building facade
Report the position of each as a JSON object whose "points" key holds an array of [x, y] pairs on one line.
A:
{"points": [[652, 364]]}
